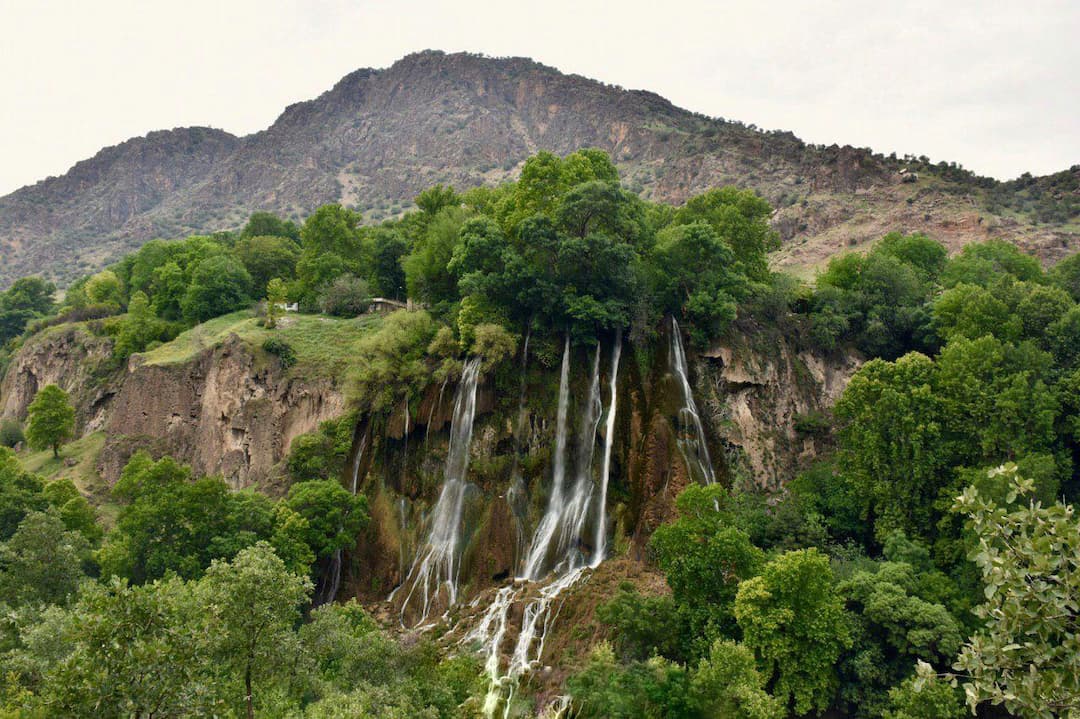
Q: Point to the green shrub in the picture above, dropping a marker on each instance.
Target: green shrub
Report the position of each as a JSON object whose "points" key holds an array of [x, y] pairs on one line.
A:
{"points": [[281, 349], [346, 296], [11, 433]]}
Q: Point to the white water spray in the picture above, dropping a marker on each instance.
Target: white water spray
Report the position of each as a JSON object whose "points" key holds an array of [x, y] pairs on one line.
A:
{"points": [[334, 582], [433, 578], [691, 440], [555, 544], [550, 522], [600, 545]]}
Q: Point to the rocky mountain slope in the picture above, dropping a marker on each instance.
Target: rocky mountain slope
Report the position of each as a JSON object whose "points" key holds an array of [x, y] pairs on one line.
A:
{"points": [[224, 406], [379, 136]]}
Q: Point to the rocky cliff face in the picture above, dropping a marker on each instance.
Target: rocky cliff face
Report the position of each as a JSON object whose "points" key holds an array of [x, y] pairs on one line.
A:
{"points": [[749, 393], [754, 397], [224, 412], [378, 137], [72, 358]]}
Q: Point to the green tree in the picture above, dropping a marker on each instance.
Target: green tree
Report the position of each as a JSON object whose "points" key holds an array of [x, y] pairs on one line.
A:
{"points": [[27, 298], [643, 625], [42, 562], [728, 684], [51, 419], [265, 258], [690, 550], [267, 224], [346, 296], [916, 250], [120, 651], [105, 288], [390, 362], [892, 444], [1024, 656], [741, 219], [276, 298], [138, 328], [924, 699], [387, 249], [793, 620], [73, 509], [983, 263], [252, 604], [172, 523], [168, 286], [20, 493], [1066, 275], [434, 199], [1040, 306], [428, 275], [893, 627], [334, 516], [219, 285], [11, 433], [32, 294], [656, 689], [695, 280], [971, 311], [332, 229]]}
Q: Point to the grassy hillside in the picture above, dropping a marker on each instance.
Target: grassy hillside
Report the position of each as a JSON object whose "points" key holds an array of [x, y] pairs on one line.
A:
{"points": [[323, 344]]}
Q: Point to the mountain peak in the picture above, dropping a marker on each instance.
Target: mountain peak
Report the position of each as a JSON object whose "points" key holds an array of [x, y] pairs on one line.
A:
{"points": [[379, 136]]}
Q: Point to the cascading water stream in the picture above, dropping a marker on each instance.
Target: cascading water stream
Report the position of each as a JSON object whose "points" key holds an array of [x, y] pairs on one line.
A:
{"points": [[555, 545], [691, 439], [334, 582], [600, 545], [550, 522], [556, 542], [434, 573]]}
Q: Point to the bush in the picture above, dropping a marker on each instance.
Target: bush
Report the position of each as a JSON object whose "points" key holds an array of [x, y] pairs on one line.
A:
{"points": [[494, 343], [812, 423], [282, 350], [347, 296], [11, 433]]}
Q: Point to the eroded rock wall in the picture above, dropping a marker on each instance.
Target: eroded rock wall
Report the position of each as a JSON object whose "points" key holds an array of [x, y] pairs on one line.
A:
{"points": [[69, 357], [225, 412], [750, 392]]}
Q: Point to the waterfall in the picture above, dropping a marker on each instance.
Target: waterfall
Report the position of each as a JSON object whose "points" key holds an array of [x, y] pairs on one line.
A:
{"points": [[356, 462], [600, 545], [568, 550], [489, 633], [431, 413], [540, 614], [334, 580], [546, 530], [691, 440], [555, 545], [556, 542], [434, 573]]}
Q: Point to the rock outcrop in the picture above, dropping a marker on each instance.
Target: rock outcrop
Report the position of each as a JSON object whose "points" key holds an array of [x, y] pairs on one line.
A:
{"points": [[225, 411], [750, 393], [70, 357], [222, 412]]}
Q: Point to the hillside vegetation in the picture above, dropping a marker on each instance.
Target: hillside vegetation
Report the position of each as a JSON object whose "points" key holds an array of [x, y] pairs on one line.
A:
{"points": [[923, 561]]}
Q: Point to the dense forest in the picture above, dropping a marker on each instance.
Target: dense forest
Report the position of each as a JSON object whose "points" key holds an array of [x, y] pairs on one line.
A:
{"points": [[925, 567]]}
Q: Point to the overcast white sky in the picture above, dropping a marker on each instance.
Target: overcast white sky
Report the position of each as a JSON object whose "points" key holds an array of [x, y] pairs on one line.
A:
{"points": [[992, 85]]}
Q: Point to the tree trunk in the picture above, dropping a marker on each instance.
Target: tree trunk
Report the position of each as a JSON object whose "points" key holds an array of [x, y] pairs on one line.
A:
{"points": [[247, 688], [56, 451]]}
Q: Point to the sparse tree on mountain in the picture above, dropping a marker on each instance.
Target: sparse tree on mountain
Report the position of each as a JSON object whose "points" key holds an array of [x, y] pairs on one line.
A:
{"points": [[51, 419]]}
